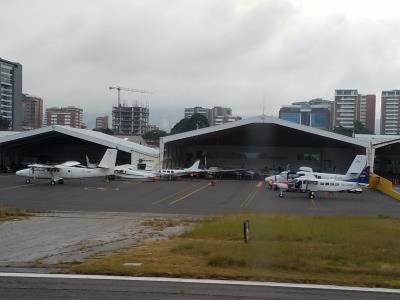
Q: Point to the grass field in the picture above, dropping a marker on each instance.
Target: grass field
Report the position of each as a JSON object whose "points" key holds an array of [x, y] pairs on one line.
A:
{"points": [[7, 213], [362, 251]]}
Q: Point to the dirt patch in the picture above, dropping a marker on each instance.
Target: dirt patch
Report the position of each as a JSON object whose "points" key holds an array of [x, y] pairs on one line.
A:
{"points": [[49, 240]]}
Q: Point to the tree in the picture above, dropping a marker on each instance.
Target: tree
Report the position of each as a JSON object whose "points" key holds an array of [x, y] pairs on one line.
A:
{"points": [[4, 124], [359, 128], [104, 130], [200, 120], [195, 122], [154, 134], [344, 131]]}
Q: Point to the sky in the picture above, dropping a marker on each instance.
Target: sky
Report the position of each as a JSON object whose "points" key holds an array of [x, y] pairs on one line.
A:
{"points": [[188, 53]]}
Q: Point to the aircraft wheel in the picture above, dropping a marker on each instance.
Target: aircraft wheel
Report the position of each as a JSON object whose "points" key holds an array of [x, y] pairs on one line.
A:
{"points": [[53, 183], [28, 181], [281, 194], [311, 195]]}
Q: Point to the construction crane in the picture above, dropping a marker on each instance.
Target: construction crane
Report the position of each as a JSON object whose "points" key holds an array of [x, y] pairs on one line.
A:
{"points": [[119, 89]]}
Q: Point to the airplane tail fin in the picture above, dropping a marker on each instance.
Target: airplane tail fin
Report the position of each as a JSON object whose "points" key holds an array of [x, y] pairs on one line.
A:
{"points": [[195, 166], [109, 159], [363, 178], [89, 164], [357, 166]]}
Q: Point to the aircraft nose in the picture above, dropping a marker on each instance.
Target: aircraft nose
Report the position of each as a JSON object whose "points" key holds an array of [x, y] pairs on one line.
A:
{"points": [[20, 173]]}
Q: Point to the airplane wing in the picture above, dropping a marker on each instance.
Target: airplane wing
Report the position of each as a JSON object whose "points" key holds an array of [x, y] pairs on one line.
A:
{"points": [[40, 166], [218, 170], [70, 164]]}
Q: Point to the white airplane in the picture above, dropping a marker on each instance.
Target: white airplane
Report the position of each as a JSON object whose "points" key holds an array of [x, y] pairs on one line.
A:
{"points": [[171, 173], [132, 172], [311, 185], [70, 169], [356, 167], [352, 173]]}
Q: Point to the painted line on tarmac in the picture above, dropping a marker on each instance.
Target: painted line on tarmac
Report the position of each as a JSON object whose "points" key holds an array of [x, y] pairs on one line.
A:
{"points": [[313, 203], [251, 196], [205, 281], [16, 186], [175, 194], [99, 188], [187, 195]]}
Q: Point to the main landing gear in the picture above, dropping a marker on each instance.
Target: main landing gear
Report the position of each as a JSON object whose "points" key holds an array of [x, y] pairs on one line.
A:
{"points": [[53, 182], [28, 180], [311, 195]]}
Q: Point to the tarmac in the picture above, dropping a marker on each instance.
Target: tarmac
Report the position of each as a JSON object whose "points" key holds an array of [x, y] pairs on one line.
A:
{"points": [[186, 196]]}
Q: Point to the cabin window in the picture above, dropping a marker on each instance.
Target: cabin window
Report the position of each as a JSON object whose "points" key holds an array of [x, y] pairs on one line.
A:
{"points": [[336, 183], [321, 183], [326, 183], [332, 183]]}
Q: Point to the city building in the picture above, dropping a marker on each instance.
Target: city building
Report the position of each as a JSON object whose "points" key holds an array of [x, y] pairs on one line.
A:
{"points": [[189, 112], [67, 116], [152, 128], [32, 112], [215, 116], [390, 112], [130, 120], [350, 106], [102, 122], [315, 113], [11, 93], [218, 120]]}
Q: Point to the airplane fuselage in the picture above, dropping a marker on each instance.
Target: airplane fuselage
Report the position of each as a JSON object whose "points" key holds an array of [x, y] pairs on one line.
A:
{"points": [[64, 172]]}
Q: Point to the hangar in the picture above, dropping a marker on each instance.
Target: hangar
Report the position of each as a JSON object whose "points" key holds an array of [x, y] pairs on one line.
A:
{"points": [[57, 144], [385, 150], [263, 144]]}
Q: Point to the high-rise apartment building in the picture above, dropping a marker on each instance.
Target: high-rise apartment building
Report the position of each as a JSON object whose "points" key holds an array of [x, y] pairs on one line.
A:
{"points": [[189, 112], [315, 113], [215, 116], [11, 93], [130, 120], [67, 116], [102, 122], [350, 106], [32, 112], [390, 112]]}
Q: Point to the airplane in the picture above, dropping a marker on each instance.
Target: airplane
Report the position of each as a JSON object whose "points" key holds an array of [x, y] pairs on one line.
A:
{"points": [[285, 176], [214, 172], [356, 167], [172, 173], [311, 185], [352, 173], [70, 169], [132, 172]]}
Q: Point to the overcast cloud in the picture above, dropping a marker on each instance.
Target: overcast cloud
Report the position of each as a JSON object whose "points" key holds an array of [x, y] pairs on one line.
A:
{"points": [[206, 53]]}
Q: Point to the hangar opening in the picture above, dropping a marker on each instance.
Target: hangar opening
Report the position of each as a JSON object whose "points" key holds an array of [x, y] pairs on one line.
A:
{"points": [[387, 159], [57, 144], [263, 144]]}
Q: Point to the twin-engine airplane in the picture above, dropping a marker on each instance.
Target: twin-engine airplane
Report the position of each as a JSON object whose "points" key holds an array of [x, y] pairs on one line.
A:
{"points": [[352, 173], [311, 185], [132, 172], [70, 169], [171, 173]]}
